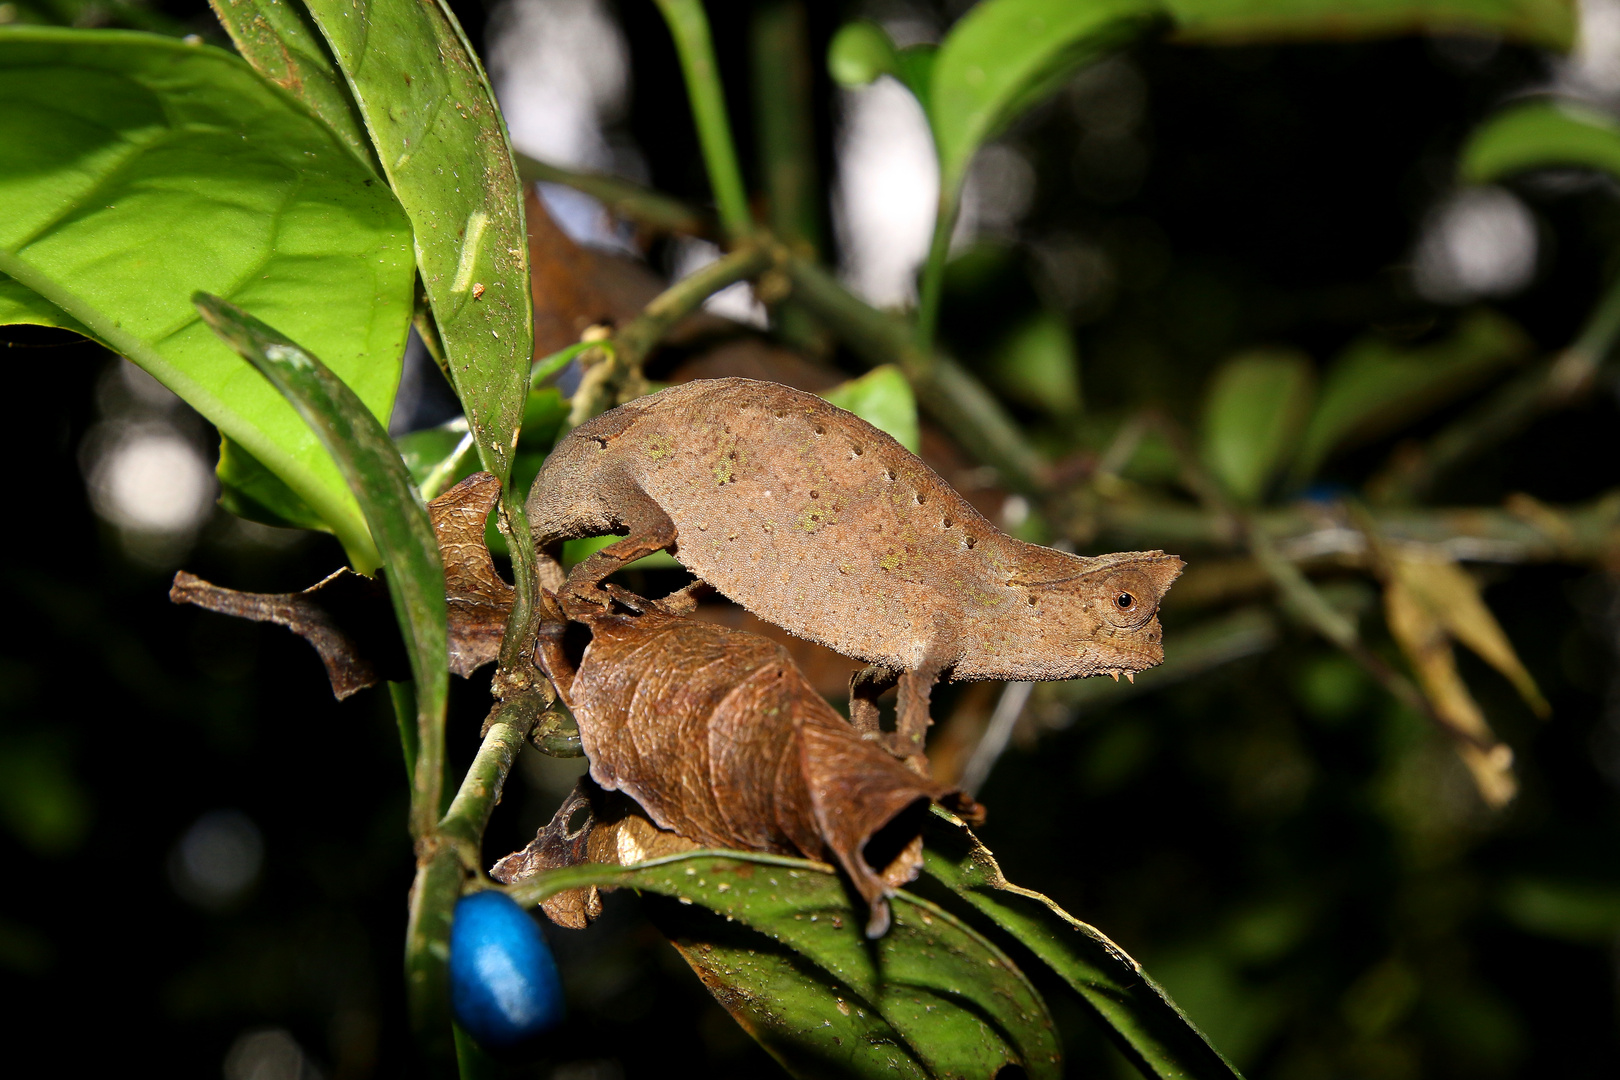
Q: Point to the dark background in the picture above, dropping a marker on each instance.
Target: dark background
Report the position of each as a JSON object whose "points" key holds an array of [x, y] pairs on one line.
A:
{"points": [[1297, 859]]}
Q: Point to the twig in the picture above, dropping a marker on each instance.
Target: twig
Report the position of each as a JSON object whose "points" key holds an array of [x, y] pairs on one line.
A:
{"points": [[1297, 595], [619, 363], [506, 731], [785, 122], [1586, 532], [689, 26], [435, 483], [644, 206], [1009, 707]]}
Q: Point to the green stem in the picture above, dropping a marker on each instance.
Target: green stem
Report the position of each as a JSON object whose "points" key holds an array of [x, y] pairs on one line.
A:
{"points": [[620, 362], [427, 951], [932, 284], [644, 206], [435, 482], [689, 26], [508, 729], [785, 122]]}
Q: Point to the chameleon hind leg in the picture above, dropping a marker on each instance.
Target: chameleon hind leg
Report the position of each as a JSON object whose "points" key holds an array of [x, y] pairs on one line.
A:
{"points": [[911, 727]]}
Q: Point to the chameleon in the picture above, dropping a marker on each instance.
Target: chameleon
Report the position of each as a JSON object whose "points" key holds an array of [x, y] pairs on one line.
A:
{"points": [[813, 519]]}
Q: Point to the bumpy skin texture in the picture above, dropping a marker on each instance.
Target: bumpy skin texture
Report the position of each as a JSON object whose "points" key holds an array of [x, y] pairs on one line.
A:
{"points": [[815, 520]]}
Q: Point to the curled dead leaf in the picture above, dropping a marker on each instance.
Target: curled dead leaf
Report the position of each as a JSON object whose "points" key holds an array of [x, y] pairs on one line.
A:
{"points": [[719, 738], [1422, 637]]}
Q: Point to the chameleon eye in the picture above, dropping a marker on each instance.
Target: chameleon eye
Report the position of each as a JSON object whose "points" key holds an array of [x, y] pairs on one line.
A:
{"points": [[1125, 601]]}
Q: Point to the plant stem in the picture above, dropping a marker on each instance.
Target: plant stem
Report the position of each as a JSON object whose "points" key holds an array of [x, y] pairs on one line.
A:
{"points": [[952, 395], [785, 123], [625, 199], [620, 363], [427, 950], [932, 284], [689, 26], [507, 730]]}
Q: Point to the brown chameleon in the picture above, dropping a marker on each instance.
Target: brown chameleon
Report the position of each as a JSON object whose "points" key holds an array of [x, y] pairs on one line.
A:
{"points": [[817, 521]]}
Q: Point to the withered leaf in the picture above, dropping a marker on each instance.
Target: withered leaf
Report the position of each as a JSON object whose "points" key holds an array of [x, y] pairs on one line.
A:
{"points": [[718, 736], [477, 599], [347, 616]]}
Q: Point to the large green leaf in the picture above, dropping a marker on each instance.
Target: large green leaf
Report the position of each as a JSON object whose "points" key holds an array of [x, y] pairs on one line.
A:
{"points": [[369, 463], [959, 1005], [279, 40], [1549, 23], [1541, 135], [1253, 413], [1375, 387], [138, 169], [433, 120], [1005, 55], [1145, 1023]]}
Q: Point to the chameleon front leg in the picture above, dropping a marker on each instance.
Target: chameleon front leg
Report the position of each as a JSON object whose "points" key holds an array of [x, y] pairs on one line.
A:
{"points": [[649, 530], [911, 728], [865, 686]]}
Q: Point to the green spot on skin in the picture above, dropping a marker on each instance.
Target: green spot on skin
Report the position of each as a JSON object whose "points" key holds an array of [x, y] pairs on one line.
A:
{"points": [[890, 561], [660, 446]]}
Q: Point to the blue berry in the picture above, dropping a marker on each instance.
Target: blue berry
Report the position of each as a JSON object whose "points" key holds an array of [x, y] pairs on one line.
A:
{"points": [[504, 988]]}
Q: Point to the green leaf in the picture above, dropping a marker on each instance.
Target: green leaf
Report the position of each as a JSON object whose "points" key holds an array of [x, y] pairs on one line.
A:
{"points": [[249, 490], [1541, 135], [883, 398], [825, 1030], [1375, 387], [138, 169], [1253, 413], [1548, 23], [21, 305], [956, 1000], [279, 40], [860, 52], [1147, 1026], [368, 461], [1005, 55], [1038, 364], [443, 146]]}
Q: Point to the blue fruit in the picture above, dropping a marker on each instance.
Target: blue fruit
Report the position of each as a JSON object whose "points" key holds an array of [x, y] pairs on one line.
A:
{"points": [[504, 988]]}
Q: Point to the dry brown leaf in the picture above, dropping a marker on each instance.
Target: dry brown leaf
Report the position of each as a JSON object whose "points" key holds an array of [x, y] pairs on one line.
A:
{"points": [[478, 601], [720, 739], [1422, 637], [1451, 596]]}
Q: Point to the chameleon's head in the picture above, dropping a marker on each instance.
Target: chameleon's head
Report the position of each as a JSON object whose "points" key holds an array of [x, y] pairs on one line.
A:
{"points": [[1104, 619]]}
